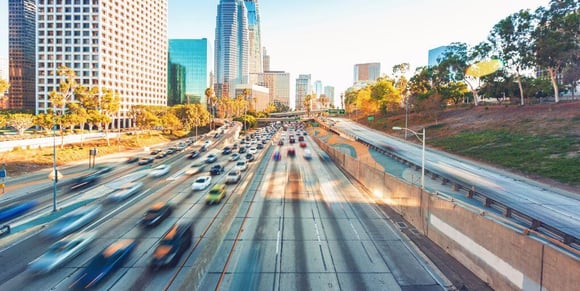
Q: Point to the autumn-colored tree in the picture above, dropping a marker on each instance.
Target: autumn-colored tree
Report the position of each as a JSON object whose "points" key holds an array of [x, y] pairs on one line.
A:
{"points": [[45, 121], [20, 122], [63, 96]]}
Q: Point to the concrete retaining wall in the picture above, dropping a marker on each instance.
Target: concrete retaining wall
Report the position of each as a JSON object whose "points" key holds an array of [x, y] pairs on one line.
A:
{"points": [[500, 253]]}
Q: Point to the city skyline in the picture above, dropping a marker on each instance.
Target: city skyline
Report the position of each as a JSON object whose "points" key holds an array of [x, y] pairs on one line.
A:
{"points": [[329, 54]]}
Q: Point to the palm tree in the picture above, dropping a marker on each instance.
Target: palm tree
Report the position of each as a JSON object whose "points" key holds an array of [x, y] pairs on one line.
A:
{"points": [[209, 96], [307, 101]]}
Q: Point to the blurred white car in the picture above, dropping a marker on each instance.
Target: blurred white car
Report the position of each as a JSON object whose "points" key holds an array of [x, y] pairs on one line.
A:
{"points": [[73, 221], [125, 191], [61, 252], [201, 183], [195, 168], [233, 176], [160, 171], [307, 154], [252, 150], [242, 165]]}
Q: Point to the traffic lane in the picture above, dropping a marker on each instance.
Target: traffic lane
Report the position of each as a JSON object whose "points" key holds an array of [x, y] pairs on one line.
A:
{"points": [[534, 199]]}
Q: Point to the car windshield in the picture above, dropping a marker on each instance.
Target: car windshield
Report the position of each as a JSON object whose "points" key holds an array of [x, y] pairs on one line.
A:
{"points": [[240, 163], [200, 180], [233, 174]]}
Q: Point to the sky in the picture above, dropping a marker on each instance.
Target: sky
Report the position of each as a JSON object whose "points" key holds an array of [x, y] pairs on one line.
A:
{"points": [[325, 38]]}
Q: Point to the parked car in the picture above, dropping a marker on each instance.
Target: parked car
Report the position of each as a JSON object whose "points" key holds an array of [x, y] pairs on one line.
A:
{"points": [[172, 246], [216, 194], [216, 170], [156, 213], [242, 165], [124, 191], [211, 158], [73, 221], [233, 176], [160, 170], [105, 263], [61, 252], [145, 161], [201, 183]]}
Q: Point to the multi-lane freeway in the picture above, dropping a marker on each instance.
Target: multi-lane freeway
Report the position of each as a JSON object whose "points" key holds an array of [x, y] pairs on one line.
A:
{"points": [[289, 224]]}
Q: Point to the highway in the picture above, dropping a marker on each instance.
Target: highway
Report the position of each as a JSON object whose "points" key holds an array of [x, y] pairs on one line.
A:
{"points": [[555, 207], [287, 225]]}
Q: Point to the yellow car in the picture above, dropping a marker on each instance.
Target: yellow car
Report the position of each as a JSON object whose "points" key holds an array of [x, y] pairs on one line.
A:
{"points": [[216, 194]]}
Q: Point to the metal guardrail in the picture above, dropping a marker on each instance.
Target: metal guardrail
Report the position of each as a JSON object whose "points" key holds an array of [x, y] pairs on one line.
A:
{"points": [[552, 233]]}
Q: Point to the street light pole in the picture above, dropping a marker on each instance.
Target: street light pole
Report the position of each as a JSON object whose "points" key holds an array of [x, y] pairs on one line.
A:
{"points": [[55, 179], [422, 139]]}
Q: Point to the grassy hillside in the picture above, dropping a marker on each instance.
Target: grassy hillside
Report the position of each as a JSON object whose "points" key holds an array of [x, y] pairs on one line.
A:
{"points": [[538, 141]]}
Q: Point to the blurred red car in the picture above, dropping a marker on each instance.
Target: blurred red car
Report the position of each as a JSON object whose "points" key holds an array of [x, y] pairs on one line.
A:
{"points": [[291, 152], [302, 144]]}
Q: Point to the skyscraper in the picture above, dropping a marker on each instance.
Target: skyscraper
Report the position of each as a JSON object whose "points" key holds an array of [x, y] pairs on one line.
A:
{"points": [[118, 45], [318, 88], [365, 73], [21, 51], [266, 60], [303, 88], [231, 47], [329, 92], [254, 34], [279, 84], [192, 55]]}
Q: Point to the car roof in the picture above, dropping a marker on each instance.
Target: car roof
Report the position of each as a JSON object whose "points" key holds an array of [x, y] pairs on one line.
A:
{"points": [[112, 249], [176, 230], [158, 205]]}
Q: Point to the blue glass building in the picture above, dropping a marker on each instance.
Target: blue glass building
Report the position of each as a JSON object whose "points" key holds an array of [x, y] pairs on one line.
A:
{"points": [[191, 54]]}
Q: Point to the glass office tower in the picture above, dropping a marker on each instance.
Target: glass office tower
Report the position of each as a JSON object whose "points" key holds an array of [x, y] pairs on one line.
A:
{"points": [[191, 54]]}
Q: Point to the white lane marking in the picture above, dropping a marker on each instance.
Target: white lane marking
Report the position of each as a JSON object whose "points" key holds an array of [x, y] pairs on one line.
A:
{"points": [[278, 242]]}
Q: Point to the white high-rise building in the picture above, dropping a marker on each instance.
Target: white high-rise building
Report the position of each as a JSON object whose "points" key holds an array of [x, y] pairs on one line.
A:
{"points": [[118, 45]]}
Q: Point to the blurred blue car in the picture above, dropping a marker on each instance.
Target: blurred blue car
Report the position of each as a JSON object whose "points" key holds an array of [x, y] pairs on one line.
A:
{"points": [[106, 262], [73, 221]]}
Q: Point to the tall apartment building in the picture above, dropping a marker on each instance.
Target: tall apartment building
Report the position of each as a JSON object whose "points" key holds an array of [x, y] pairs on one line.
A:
{"points": [[231, 47], [278, 82], [118, 45], [303, 88], [254, 38], [266, 60], [191, 54], [21, 51], [365, 73]]}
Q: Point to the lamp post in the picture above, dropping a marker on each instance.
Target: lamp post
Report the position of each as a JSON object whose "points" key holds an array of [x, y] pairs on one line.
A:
{"points": [[54, 171], [422, 139]]}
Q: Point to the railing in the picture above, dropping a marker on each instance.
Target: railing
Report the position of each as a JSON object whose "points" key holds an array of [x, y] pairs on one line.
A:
{"points": [[552, 233]]}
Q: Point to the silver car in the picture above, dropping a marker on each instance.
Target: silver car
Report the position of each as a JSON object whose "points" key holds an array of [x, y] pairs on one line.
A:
{"points": [[124, 192], [73, 221], [61, 252]]}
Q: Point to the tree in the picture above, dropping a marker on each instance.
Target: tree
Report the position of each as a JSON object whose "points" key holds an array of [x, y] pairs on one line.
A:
{"points": [[307, 104], [20, 122], [556, 38], [384, 93], [212, 101], [511, 40], [61, 97], [109, 105], [171, 122], [4, 85], [45, 121]]}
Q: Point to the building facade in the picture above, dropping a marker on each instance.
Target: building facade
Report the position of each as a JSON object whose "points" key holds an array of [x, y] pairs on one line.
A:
{"points": [[176, 84], [117, 45], [329, 92], [278, 83], [191, 54], [231, 47], [254, 38], [318, 88], [303, 88], [365, 73], [22, 54], [266, 60]]}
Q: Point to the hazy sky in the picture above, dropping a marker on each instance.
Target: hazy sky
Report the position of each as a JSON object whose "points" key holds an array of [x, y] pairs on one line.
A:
{"points": [[326, 38]]}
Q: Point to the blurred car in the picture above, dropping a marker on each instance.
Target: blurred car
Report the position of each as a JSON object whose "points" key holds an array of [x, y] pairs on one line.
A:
{"points": [[61, 252], [216, 170], [227, 151], [234, 157], [300, 138], [291, 152], [124, 191], [216, 194], [193, 155], [252, 150], [249, 157], [160, 170], [242, 150], [145, 161], [155, 151], [235, 146], [281, 142], [85, 180], [203, 148], [211, 158], [242, 165], [233, 176], [276, 156], [73, 221], [161, 155], [292, 139], [302, 144], [172, 245], [105, 263], [170, 151], [207, 143], [195, 168], [307, 155], [260, 146], [156, 213], [14, 210], [131, 160], [201, 183]]}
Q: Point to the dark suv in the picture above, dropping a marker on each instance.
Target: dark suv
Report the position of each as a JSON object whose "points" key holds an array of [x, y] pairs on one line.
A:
{"points": [[172, 245]]}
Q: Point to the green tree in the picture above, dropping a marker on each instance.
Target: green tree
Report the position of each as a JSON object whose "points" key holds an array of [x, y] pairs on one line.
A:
{"points": [[60, 98], [110, 103], [170, 122], [556, 38], [45, 121], [20, 122], [511, 40]]}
